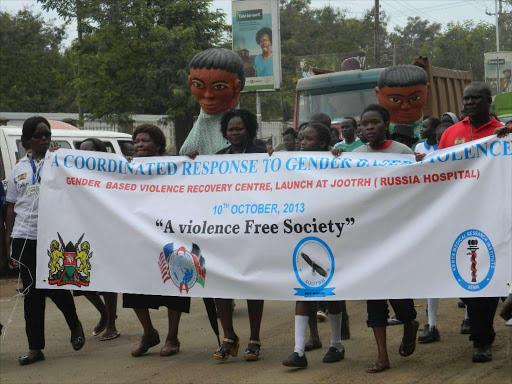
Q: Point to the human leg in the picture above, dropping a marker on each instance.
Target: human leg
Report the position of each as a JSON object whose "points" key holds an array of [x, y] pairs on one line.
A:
{"points": [[378, 314], [314, 341], [111, 310], [481, 311], [172, 344], [336, 351], [405, 312], [430, 333], [345, 328], [96, 301], [255, 309], [298, 358], [231, 342], [150, 337], [24, 251]]}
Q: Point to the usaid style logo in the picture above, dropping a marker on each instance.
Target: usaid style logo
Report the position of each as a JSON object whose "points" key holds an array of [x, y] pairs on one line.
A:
{"points": [[183, 267], [472, 260], [313, 263]]}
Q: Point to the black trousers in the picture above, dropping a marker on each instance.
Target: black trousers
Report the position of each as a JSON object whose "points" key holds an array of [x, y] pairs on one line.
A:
{"points": [[378, 312], [481, 311], [35, 299]]}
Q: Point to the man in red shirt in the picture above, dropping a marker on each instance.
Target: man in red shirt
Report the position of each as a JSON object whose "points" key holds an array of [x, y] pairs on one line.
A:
{"points": [[478, 124]]}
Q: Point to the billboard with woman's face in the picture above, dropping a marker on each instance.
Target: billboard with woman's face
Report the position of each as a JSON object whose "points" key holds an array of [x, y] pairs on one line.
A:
{"points": [[256, 40]]}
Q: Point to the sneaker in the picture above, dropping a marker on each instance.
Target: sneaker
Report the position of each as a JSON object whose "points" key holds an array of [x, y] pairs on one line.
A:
{"points": [[429, 335], [482, 354], [394, 321], [333, 355], [321, 316], [461, 304], [509, 322], [465, 328], [296, 361]]}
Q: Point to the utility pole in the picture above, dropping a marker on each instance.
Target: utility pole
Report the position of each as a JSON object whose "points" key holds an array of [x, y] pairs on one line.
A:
{"points": [[497, 15], [376, 35]]}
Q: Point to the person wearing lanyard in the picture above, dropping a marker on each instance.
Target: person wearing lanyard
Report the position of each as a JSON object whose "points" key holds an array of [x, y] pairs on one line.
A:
{"points": [[21, 235]]}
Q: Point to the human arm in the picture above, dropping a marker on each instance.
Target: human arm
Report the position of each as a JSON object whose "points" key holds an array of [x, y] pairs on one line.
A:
{"points": [[502, 131], [193, 154], [337, 151]]}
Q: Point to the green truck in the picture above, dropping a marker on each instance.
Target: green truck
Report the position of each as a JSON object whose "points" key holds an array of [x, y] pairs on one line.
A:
{"points": [[347, 93]]}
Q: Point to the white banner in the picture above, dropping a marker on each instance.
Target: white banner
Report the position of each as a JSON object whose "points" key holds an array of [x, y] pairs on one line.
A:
{"points": [[286, 227]]}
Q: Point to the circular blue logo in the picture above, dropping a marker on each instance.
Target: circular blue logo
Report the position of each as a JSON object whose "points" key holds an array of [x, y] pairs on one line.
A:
{"points": [[182, 269], [472, 260], [313, 263]]}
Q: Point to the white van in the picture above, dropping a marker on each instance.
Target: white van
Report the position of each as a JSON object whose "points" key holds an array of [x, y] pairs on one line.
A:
{"points": [[11, 149]]}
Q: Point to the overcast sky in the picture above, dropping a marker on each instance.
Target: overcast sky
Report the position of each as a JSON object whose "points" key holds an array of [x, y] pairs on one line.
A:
{"points": [[441, 11]]}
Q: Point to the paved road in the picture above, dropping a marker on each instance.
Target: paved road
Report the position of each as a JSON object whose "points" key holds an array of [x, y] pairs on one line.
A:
{"points": [[447, 361]]}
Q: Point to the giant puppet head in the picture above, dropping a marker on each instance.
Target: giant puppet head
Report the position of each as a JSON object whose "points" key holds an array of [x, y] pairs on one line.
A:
{"points": [[403, 90], [216, 79]]}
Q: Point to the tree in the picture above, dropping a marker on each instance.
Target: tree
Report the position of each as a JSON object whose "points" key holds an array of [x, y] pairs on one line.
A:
{"points": [[30, 62], [462, 46], [416, 38], [133, 56]]}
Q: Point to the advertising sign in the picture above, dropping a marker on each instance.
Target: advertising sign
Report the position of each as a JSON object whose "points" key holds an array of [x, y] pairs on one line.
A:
{"points": [[256, 39], [498, 64]]}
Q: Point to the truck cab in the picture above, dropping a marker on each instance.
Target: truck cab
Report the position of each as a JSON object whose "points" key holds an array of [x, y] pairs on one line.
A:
{"points": [[338, 95]]}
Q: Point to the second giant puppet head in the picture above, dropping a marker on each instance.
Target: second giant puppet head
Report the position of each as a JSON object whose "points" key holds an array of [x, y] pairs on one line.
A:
{"points": [[403, 90], [216, 79]]}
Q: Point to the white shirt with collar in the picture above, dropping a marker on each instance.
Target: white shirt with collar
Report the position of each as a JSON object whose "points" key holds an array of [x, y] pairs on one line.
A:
{"points": [[26, 203]]}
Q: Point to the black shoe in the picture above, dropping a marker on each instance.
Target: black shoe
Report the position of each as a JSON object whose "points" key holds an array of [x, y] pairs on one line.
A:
{"points": [[333, 355], [461, 304], [294, 360], [78, 342], [482, 354], [429, 335], [465, 327], [26, 360]]}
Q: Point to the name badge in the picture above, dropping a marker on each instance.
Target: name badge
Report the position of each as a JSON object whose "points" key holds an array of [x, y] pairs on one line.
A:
{"points": [[33, 190]]}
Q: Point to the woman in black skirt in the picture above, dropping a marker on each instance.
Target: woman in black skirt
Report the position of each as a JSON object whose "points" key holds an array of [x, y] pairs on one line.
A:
{"points": [[107, 309], [149, 141]]}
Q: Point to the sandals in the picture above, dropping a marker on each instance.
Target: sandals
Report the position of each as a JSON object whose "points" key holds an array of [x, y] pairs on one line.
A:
{"points": [[170, 349], [110, 336], [229, 348], [98, 330], [77, 342], [407, 348], [252, 354], [146, 343], [377, 368]]}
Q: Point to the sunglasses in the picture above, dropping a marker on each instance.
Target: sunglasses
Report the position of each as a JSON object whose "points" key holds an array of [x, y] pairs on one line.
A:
{"points": [[40, 135]]}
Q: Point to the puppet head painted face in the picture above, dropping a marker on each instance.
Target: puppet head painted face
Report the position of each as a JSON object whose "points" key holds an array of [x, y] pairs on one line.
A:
{"points": [[216, 79], [403, 90]]}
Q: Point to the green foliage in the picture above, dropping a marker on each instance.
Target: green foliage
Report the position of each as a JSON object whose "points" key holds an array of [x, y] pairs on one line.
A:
{"points": [[30, 63], [462, 46], [134, 55], [415, 39]]}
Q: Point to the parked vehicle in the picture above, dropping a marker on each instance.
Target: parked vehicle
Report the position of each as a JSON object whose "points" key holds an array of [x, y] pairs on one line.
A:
{"points": [[347, 93], [503, 107], [11, 149]]}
